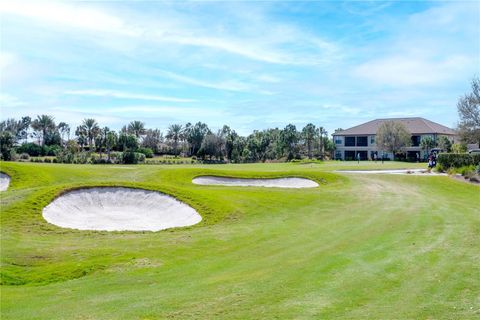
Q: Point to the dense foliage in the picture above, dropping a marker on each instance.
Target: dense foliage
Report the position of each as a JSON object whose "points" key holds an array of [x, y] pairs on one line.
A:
{"points": [[455, 160], [92, 143]]}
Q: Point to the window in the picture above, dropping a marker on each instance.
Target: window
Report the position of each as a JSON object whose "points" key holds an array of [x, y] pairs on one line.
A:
{"points": [[362, 141], [349, 141], [416, 141], [338, 140], [372, 140]]}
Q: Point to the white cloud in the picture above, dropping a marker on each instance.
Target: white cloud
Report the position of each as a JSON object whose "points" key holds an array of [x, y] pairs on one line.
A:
{"points": [[229, 85], [412, 70], [9, 101], [125, 95], [67, 15], [280, 44]]}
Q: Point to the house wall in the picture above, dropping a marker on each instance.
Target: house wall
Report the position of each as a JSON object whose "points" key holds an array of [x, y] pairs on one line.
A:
{"points": [[343, 152]]}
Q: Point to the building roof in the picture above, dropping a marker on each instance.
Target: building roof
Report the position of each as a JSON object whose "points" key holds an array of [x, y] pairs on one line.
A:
{"points": [[414, 125]]}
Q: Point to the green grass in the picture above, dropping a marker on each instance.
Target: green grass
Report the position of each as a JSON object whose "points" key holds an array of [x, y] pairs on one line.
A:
{"points": [[357, 247]]}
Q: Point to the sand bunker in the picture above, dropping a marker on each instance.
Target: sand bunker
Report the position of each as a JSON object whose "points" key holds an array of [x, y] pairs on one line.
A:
{"points": [[4, 181], [118, 209], [269, 183], [417, 172]]}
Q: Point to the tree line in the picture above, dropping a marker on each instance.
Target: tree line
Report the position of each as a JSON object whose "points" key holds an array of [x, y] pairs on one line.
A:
{"points": [[133, 142]]}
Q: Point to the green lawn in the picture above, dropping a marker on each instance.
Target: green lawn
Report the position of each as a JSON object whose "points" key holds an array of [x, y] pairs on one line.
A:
{"points": [[357, 247]]}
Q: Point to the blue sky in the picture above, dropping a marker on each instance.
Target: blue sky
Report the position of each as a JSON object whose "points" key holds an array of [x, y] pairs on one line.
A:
{"points": [[251, 65]]}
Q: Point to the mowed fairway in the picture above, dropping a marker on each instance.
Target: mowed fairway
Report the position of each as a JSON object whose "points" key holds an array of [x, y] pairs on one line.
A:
{"points": [[357, 247]]}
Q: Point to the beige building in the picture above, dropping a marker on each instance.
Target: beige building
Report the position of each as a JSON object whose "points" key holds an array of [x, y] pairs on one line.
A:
{"points": [[360, 140]]}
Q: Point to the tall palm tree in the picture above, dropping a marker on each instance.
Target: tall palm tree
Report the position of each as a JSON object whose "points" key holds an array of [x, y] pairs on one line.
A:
{"points": [[91, 130], [175, 133], [81, 134], [110, 141], [64, 128], [308, 133], [321, 132], [44, 124], [137, 128]]}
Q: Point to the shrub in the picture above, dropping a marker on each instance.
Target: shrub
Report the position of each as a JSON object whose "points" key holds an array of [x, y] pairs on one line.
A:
{"points": [[82, 158], [32, 149], [130, 157], [146, 151], [47, 160], [457, 160], [24, 156]]}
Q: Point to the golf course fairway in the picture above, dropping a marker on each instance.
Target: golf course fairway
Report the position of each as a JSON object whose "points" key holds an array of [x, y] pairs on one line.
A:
{"points": [[355, 247]]}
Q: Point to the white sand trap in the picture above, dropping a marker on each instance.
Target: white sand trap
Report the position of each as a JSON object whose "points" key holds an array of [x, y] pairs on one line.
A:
{"points": [[417, 172], [4, 181], [118, 209], [269, 183]]}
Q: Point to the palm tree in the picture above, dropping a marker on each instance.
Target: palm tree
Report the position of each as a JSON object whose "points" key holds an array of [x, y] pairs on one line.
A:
{"points": [[321, 132], [43, 124], [91, 130], [137, 128], [175, 133], [110, 142], [308, 133], [64, 128], [101, 140], [81, 133]]}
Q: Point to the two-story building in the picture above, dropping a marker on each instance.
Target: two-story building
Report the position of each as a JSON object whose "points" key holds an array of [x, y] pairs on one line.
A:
{"points": [[360, 140]]}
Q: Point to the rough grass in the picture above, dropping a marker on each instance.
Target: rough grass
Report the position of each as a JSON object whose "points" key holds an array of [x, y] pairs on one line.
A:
{"points": [[357, 247]]}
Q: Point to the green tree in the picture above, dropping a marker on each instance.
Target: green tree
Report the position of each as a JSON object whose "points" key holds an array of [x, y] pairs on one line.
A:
{"points": [[309, 133], [152, 139], [427, 143], [136, 128], [393, 136], [64, 129], [7, 140], [43, 125], [195, 134], [175, 134], [90, 129], [288, 140], [469, 111], [110, 142], [445, 144]]}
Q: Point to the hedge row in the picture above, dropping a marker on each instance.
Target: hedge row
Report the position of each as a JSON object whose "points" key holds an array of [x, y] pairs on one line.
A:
{"points": [[458, 160]]}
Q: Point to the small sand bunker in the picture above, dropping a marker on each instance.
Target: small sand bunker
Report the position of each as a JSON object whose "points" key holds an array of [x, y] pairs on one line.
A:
{"points": [[4, 181], [119, 209], [269, 183]]}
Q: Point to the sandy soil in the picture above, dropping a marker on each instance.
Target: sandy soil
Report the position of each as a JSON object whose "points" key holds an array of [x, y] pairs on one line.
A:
{"points": [[4, 181], [422, 172], [118, 209], [269, 183]]}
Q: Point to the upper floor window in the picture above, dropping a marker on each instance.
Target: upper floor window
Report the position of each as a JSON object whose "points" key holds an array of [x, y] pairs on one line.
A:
{"points": [[416, 141], [349, 141], [338, 140], [372, 140], [362, 141]]}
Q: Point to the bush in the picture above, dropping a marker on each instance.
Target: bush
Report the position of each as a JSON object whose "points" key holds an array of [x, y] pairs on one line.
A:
{"points": [[130, 157], [47, 160], [457, 160], [146, 151], [24, 156], [82, 158], [32, 149]]}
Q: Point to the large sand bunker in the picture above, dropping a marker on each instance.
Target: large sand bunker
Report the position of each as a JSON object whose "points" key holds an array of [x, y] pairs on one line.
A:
{"points": [[270, 183], [4, 181], [117, 209]]}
